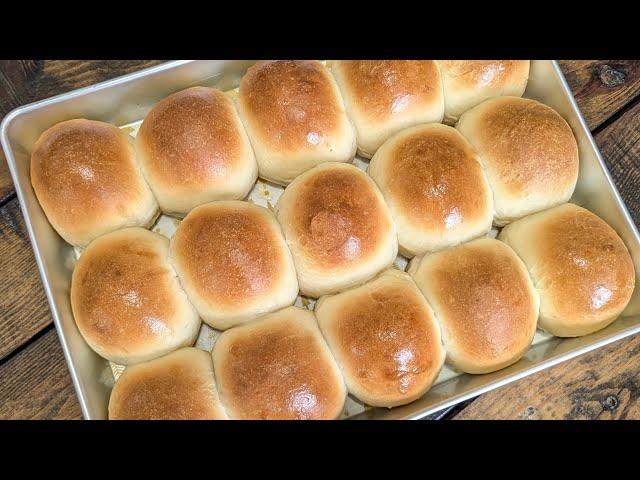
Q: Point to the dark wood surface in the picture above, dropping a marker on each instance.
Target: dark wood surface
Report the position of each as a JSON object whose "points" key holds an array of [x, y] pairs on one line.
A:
{"points": [[35, 382]]}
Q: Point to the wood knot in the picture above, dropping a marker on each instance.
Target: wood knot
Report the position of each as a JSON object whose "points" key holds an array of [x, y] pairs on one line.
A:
{"points": [[610, 403], [611, 76]]}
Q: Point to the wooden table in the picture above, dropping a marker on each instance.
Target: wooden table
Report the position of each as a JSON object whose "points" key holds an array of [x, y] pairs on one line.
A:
{"points": [[35, 382]]}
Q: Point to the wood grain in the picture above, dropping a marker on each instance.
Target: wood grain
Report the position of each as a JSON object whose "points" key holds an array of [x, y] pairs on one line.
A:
{"points": [[26, 81], [24, 310], [36, 383], [602, 87], [603, 384]]}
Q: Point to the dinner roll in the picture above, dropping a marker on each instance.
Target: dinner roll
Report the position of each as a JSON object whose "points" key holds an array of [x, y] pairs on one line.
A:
{"points": [[86, 178], [295, 118], [178, 386], [233, 262], [529, 153], [580, 267], [193, 149], [338, 228], [384, 96], [127, 301], [278, 368], [435, 187], [467, 83], [484, 301], [385, 339]]}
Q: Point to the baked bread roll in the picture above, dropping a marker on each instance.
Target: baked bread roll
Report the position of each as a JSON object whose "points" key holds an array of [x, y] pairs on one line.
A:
{"points": [[178, 386], [193, 149], [126, 299], [385, 339], [233, 262], [529, 153], [579, 265], [85, 176], [435, 187], [467, 83], [384, 96], [484, 301], [278, 368], [338, 228], [295, 118]]}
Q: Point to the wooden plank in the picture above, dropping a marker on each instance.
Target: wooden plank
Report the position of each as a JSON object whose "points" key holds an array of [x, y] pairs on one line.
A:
{"points": [[24, 310], [587, 386], [26, 81], [602, 87], [36, 383]]}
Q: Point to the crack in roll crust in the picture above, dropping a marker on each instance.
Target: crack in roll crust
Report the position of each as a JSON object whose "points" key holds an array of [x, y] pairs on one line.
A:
{"points": [[338, 227], [435, 187], [193, 149], [126, 300], [278, 367], [385, 338], [529, 153], [467, 83], [484, 300], [385, 96], [178, 386], [86, 178], [295, 118], [580, 266], [233, 262]]}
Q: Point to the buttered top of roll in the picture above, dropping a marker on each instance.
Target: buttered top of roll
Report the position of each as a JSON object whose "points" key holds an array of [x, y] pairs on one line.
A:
{"points": [[529, 151], [291, 105], [192, 144], [85, 176], [579, 263], [231, 254], [126, 299], [384, 337], [178, 386], [278, 367], [334, 217], [384, 88], [467, 83], [484, 300], [433, 182]]}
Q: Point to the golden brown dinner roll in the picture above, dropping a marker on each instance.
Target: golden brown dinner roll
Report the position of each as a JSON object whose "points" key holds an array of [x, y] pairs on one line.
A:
{"points": [[295, 118], [278, 368], [384, 96], [467, 83], [435, 187], [385, 339], [233, 262], [484, 301], [580, 267], [193, 149], [338, 228], [127, 301], [87, 181], [178, 386], [529, 153]]}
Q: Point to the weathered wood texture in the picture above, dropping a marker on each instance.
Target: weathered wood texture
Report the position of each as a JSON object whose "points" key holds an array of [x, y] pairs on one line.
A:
{"points": [[24, 310], [34, 382]]}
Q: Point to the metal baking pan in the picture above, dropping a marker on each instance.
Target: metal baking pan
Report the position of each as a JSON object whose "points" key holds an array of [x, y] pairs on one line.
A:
{"points": [[124, 102]]}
